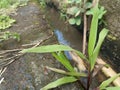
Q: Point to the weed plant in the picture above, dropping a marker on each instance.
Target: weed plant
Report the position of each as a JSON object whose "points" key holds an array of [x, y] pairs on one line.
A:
{"points": [[6, 7], [72, 75]]}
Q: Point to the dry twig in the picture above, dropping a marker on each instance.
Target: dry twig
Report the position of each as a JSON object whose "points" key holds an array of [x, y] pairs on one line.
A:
{"points": [[4, 62]]}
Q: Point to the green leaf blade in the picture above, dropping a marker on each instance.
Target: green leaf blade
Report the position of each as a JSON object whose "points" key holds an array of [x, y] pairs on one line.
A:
{"points": [[81, 55], [64, 61], [78, 20], [53, 48], [93, 58], [5, 22], [73, 10], [112, 88], [93, 30], [72, 21], [108, 81], [78, 74], [59, 82], [95, 53], [102, 11], [47, 49]]}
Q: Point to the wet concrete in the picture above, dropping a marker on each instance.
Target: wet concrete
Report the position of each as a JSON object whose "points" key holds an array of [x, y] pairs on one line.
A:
{"points": [[112, 16], [111, 52], [111, 46], [70, 34], [28, 72]]}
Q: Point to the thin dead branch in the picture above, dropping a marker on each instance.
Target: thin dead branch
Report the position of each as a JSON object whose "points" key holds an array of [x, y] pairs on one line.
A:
{"points": [[5, 62], [78, 61], [8, 51], [84, 35]]}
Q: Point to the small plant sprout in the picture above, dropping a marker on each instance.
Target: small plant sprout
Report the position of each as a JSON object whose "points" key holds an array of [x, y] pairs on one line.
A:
{"points": [[5, 22]]}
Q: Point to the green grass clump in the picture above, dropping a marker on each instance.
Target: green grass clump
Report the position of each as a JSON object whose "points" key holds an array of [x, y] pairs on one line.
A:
{"points": [[5, 22]]}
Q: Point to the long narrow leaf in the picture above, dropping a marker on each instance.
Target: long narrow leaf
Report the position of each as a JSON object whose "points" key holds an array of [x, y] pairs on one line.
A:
{"points": [[67, 73], [59, 82], [112, 88], [107, 82], [48, 49], [64, 61], [93, 30], [93, 58], [81, 55]]}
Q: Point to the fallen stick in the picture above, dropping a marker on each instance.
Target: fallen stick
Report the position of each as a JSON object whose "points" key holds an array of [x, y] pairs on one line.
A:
{"points": [[109, 72], [8, 61], [78, 61]]}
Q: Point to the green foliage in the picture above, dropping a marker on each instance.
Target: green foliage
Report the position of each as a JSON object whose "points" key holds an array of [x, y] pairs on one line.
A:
{"points": [[111, 37], [4, 3], [93, 51], [100, 11], [5, 22], [63, 16], [12, 3], [74, 1], [7, 35], [77, 74], [96, 50], [64, 61], [6, 7], [9, 6], [93, 29], [112, 88], [42, 3], [81, 55], [59, 82], [74, 10], [107, 82], [48, 49], [58, 54], [76, 20]]}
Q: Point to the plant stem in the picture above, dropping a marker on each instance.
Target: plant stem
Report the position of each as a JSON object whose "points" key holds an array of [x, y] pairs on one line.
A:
{"points": [[84, 35], [89, 80], [82, 85]]}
